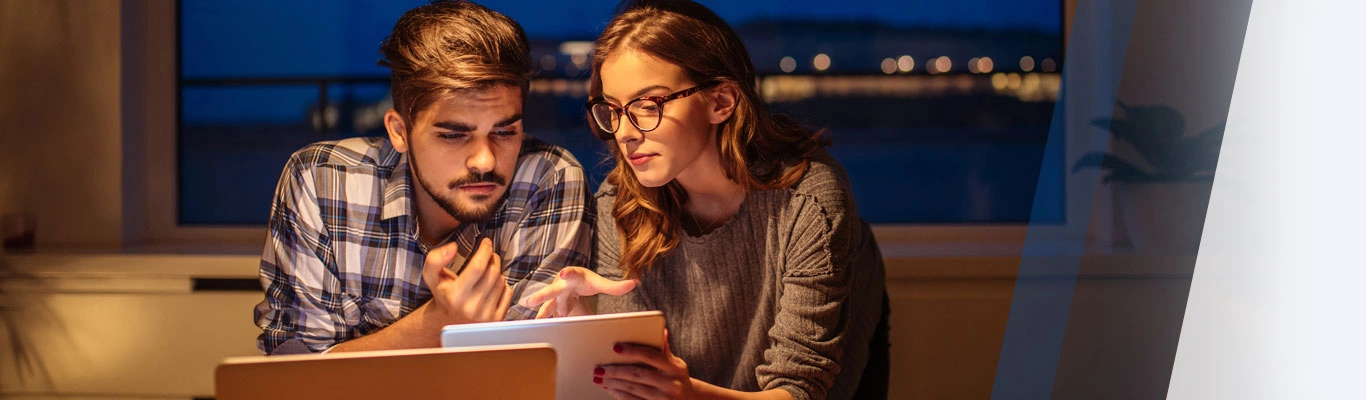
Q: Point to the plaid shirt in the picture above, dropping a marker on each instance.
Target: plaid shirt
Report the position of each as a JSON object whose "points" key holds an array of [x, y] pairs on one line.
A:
{"points": [[342, 258]]}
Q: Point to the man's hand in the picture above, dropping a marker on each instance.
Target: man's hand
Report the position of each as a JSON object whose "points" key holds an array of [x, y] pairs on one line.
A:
{"points": [[561, 298], [478, 294]]}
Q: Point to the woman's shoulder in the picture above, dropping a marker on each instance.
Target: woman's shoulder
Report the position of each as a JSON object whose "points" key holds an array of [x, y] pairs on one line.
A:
{"points": [[604, 200], [606, 195], [825, 182]]}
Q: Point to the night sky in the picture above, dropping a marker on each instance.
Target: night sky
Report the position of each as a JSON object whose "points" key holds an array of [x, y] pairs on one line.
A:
{"points": [[554, 17], [311, 37]]}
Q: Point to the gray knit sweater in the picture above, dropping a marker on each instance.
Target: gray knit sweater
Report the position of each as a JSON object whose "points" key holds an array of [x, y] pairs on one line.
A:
{"points": [[784, 295]]}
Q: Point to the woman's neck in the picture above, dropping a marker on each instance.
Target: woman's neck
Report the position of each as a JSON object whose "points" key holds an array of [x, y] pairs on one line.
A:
{"points": [[712, 198]]}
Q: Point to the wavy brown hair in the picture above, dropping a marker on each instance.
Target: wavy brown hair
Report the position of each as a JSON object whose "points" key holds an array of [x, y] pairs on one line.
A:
{"points": [[449, 47], [758, 150]]}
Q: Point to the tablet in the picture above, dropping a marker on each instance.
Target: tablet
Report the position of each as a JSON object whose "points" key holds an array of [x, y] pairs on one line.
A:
{"points": [[580, 343], [489, 372]]}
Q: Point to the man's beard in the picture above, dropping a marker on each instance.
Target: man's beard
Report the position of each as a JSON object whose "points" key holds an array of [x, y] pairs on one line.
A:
{"points": [[472, 213]]}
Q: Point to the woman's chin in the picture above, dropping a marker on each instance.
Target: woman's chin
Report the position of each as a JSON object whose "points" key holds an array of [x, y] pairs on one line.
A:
{"points": [[652, 183], [651, 180]]}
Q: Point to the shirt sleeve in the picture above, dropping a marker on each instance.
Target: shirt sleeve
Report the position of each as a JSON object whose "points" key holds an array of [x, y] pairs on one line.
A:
{"points": [[813, 314], [304, 309], [556, 231]]}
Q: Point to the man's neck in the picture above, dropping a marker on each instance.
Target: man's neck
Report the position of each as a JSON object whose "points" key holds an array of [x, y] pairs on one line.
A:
{"points": [[433, 222]]}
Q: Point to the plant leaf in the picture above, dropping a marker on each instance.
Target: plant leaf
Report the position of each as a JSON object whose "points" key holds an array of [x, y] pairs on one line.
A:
{"points": [[1198, 153], [1120, 129], [1108, 162], [1210, 138]]}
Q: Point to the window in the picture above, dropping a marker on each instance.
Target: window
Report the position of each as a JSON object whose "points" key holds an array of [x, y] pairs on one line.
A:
{"points": [[938, 110]]}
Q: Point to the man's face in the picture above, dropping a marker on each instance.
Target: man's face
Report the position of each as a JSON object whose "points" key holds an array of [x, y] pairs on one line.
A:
{"points": [[463, 150]]}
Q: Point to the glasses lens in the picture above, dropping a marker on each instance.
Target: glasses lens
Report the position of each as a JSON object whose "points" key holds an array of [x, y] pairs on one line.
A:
{"points": [[645, 113], [605, 117]]}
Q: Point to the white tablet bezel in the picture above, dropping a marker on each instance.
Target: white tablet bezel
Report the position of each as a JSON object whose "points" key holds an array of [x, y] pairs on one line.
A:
{"points": [[580, 343]]}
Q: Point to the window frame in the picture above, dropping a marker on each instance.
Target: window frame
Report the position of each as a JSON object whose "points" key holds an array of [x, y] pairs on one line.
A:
{"points": [[160, 100]]}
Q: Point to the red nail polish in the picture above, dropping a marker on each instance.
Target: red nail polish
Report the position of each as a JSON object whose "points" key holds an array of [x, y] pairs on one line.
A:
{"points": [[617, 348], [599, 371], [597, 380]]}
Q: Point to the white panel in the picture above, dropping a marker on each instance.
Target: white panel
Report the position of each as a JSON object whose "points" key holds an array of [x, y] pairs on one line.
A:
{"points": [[1276, 299]]}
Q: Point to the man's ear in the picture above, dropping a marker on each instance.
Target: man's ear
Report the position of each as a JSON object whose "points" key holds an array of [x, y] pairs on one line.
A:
{"points": [[398, 130], [723, 101]]}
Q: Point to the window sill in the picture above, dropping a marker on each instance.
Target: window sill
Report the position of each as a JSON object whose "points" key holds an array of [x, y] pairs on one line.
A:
{"points": [[907, 255]]}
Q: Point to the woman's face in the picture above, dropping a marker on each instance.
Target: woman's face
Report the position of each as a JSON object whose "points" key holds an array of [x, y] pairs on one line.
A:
{"points": [[685, 135]]}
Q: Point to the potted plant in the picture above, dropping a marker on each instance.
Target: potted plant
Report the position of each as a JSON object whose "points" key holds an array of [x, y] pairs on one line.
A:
{"points": [[19, 351], [1162, 187]]}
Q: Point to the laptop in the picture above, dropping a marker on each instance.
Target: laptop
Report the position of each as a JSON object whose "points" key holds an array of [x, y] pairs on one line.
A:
{"points": [[580, 343], [525, 371]]}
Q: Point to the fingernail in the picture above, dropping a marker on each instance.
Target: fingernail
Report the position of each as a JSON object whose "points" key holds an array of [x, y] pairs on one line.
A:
{"points": [[617, 348], [563, 273], [597, 380], [599, 371]]}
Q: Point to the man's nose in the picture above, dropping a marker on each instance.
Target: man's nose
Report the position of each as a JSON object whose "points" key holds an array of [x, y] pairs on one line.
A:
{"points": [[482, 159]]}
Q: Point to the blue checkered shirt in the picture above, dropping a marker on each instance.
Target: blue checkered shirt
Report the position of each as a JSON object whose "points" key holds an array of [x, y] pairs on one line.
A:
{"points": [[342, 258]]}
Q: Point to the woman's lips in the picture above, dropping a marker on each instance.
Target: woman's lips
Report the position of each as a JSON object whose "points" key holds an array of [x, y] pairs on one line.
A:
{"points": [[641, 159]]}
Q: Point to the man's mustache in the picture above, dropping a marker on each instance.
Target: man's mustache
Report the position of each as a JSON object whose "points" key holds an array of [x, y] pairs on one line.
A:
{"points": [[472, 178]]}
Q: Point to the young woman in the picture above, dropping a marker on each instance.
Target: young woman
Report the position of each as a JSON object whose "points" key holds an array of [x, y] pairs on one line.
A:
{"points": [[732, 221]]}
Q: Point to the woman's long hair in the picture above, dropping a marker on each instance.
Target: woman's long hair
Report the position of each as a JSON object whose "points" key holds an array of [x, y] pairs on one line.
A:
{"points": [[758, 150]]}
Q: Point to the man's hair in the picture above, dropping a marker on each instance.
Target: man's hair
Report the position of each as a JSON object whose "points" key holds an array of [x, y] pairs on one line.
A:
{"points": [[449, 47]]}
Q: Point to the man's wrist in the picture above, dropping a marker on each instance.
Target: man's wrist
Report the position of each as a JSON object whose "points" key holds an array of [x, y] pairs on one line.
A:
{"points": [[434, 317], [428, 321]]}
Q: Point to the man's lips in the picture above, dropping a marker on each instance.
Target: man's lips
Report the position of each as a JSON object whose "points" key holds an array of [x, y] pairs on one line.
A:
{"points": [[478, 188], [639, 159]]}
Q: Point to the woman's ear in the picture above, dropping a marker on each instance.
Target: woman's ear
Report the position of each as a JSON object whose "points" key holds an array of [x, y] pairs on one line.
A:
{"points": [[398, 130], [723, 101]]}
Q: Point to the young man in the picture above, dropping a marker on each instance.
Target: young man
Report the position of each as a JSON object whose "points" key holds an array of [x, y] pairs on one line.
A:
{"points": [[369, 237]]}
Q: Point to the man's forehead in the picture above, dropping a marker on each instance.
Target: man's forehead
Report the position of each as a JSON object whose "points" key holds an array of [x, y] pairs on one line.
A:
{"points": [[472, 106], [492, 95]]}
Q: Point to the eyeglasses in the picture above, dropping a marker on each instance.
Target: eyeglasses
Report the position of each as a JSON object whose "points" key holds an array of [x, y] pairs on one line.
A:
{"points": [[645, 112]]}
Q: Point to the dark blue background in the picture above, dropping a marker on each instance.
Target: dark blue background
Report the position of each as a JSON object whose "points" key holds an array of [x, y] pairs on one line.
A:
{"points": [[950, 159]]}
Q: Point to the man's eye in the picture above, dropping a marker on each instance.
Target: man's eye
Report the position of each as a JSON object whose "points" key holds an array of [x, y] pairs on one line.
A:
{"points": [[452, 136], [505, 134]]}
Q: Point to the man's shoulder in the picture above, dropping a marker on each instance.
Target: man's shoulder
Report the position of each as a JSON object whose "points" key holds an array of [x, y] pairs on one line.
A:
{"points": [[346, 153], [540, 157]]}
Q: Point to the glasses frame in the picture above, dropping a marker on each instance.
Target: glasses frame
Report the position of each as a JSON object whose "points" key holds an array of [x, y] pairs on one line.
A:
{"points": [[620, 111]]}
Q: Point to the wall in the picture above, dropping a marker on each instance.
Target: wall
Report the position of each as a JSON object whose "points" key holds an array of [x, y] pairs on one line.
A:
{"points": [[60, 119]]}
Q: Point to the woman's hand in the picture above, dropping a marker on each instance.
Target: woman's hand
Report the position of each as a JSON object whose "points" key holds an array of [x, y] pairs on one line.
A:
{"points": [[562, 297], [656, 374]]}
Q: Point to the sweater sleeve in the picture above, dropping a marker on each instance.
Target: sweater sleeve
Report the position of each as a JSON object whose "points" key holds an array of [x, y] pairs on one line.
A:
{"points": [[813, 316]]}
